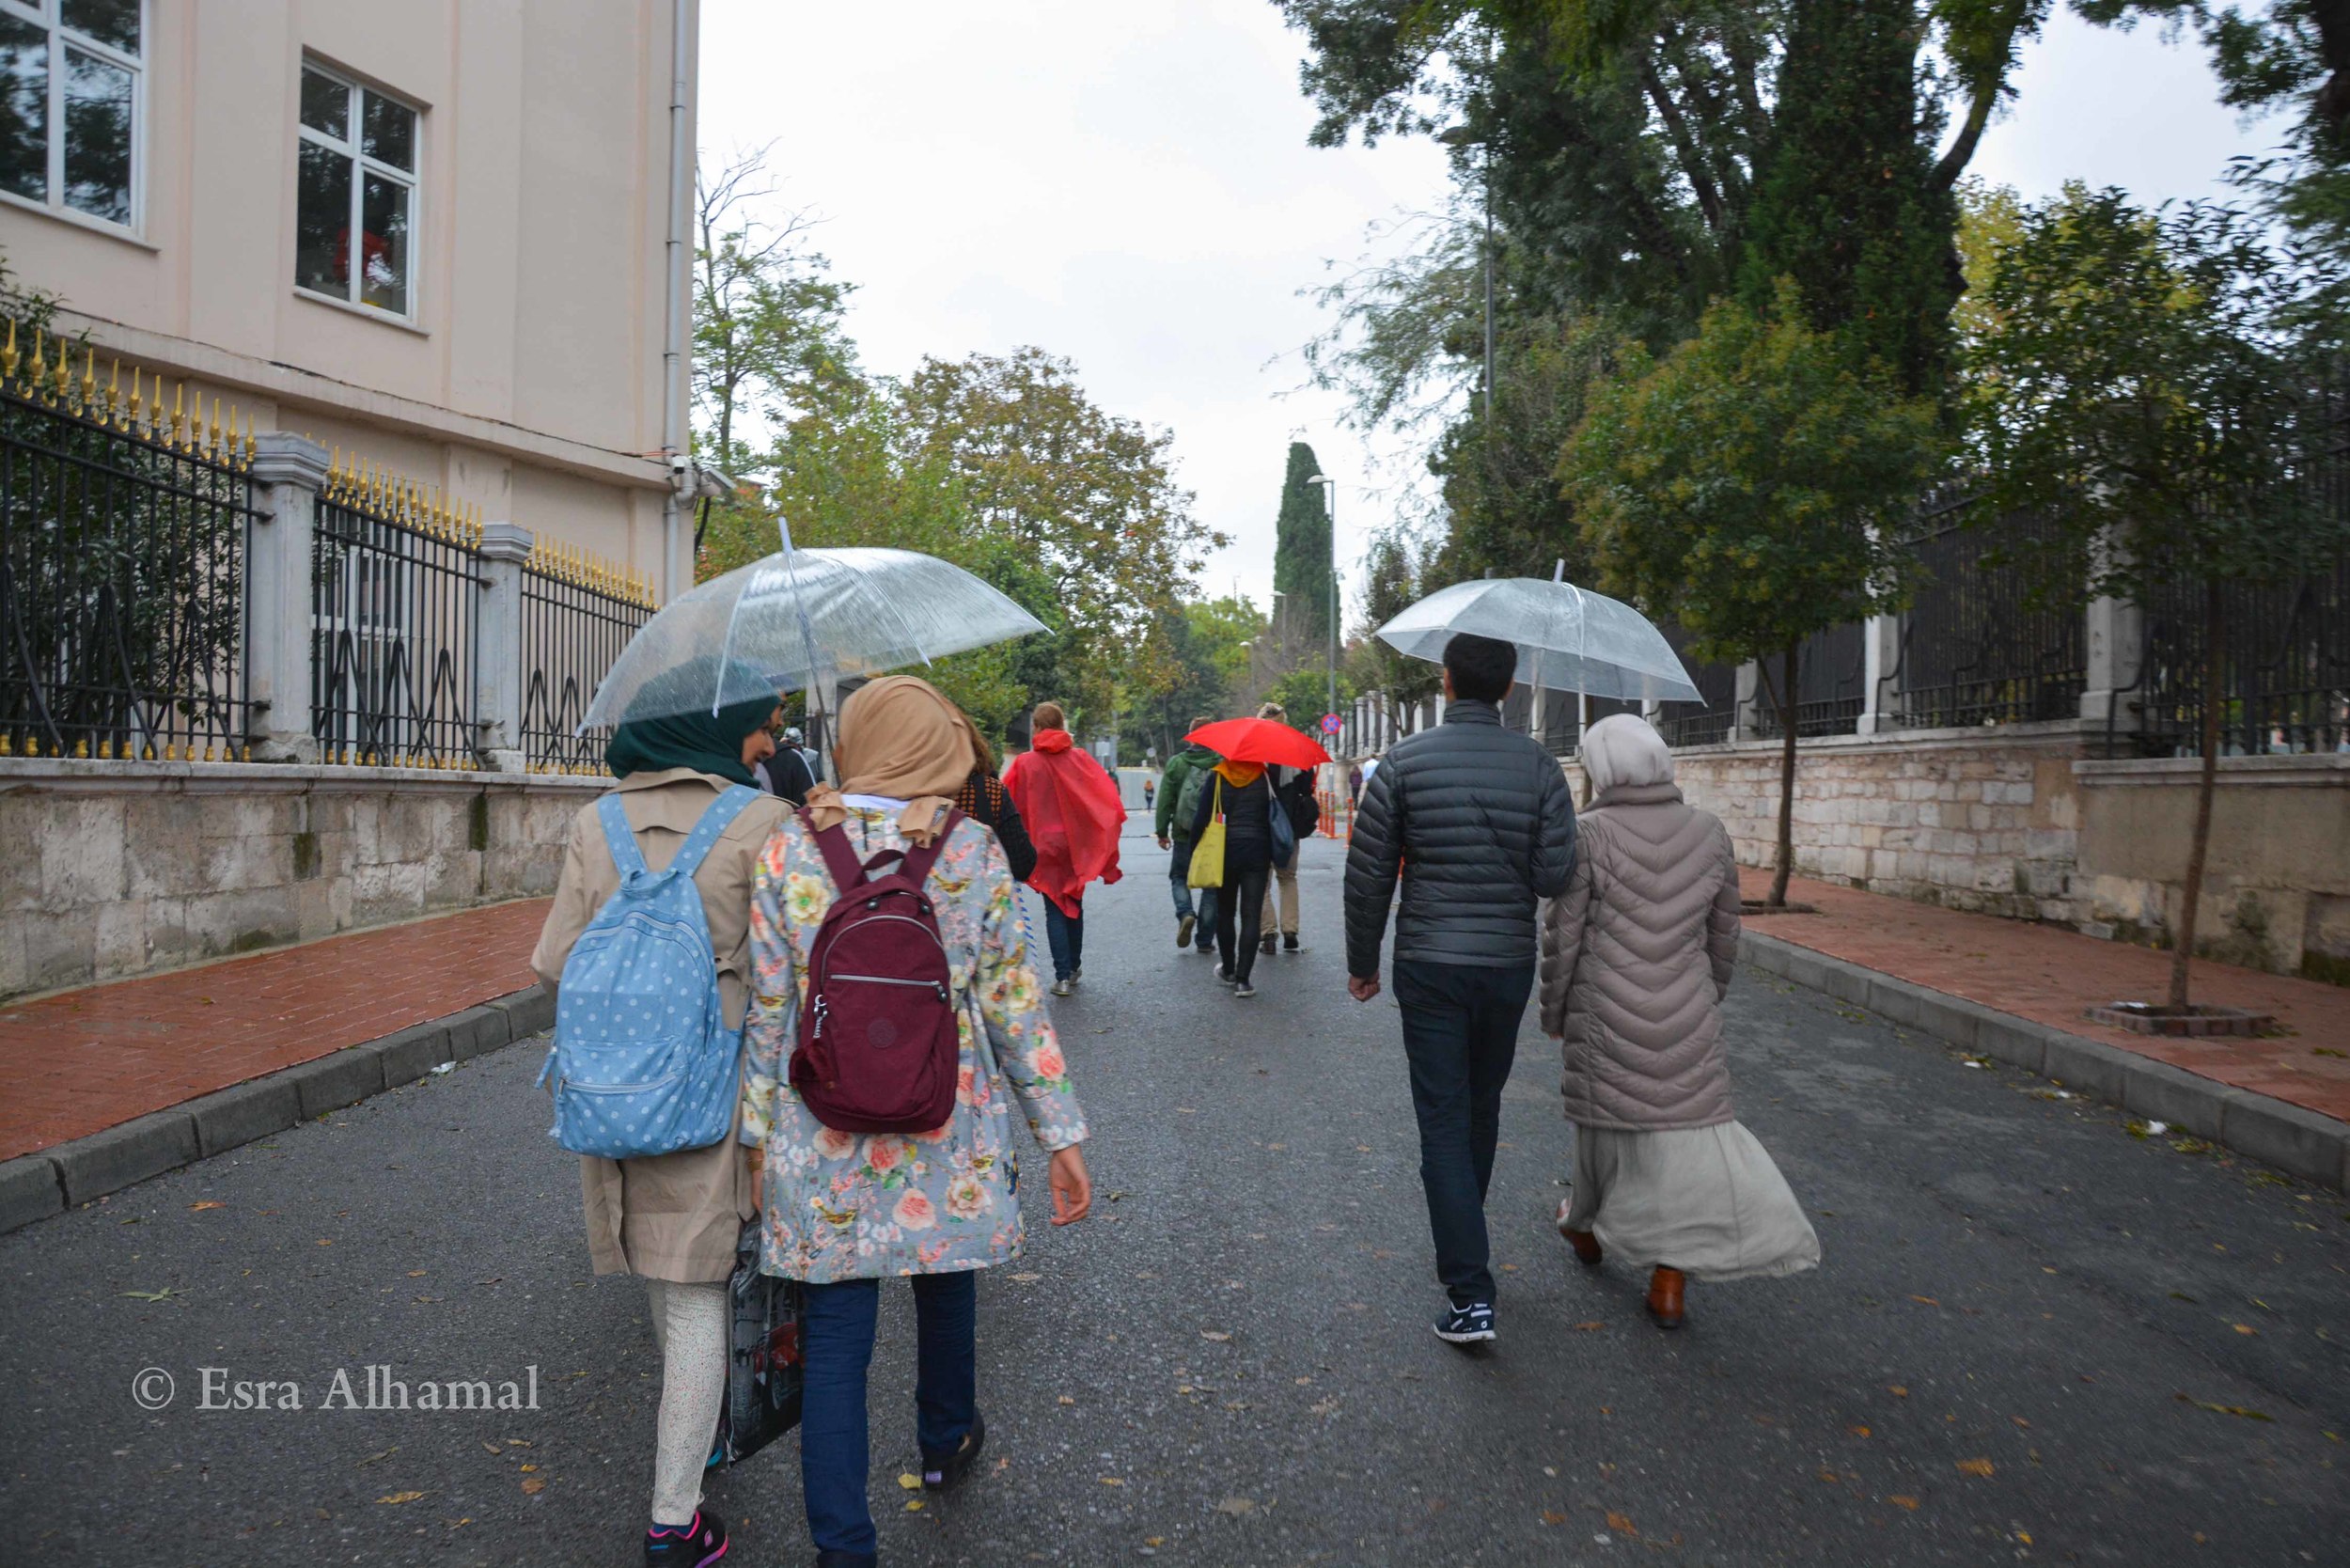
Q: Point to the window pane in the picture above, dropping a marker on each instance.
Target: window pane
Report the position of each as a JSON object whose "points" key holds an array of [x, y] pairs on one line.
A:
{"points": [[325, 104], [23, 109], [97, 137], [390, 132], [109, 21], [384, 278], [323, 221]]}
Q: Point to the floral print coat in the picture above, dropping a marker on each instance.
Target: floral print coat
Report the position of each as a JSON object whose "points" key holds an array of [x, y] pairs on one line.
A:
{"points": [[854, 1206]]}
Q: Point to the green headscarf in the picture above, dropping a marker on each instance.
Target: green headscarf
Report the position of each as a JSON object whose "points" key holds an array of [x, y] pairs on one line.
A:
{"points": [[695, 738]]}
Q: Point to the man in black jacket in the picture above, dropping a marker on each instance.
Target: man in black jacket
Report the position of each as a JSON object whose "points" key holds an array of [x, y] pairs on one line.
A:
{"points": [[1478, 823]]}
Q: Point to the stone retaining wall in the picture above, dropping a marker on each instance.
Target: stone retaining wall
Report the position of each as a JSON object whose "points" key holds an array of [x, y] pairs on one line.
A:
{"points": [[111, 869]]}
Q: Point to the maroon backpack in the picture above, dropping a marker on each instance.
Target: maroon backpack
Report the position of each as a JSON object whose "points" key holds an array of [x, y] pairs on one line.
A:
{"points": [[879, 1050]]}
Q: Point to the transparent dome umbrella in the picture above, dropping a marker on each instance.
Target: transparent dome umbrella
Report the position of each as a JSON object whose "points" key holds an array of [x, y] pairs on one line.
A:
{"points": [[1569, 640], [802, 620]]}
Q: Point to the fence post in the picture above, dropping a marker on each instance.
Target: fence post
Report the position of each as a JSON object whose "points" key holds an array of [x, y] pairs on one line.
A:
{"points": [[2117, 647], [1880, 659], [1747, 724], [290, 470], [497, 670]]}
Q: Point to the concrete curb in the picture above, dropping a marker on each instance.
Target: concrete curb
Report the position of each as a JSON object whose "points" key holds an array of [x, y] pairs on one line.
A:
{"points": [[2298, 1141], [38, 1185]]}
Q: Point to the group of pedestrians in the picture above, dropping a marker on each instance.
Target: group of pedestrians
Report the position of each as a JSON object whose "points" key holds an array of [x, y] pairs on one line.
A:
{"points": [[1231, 912], [1632, 924], [836, 1209]]}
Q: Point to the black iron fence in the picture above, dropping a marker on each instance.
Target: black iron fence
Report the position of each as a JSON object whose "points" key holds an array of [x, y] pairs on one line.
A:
{"points": [[1977, 645], [1713, 717], [393, 585], [1831, 668], [124, 534], [2284, 667], [576, 618]]}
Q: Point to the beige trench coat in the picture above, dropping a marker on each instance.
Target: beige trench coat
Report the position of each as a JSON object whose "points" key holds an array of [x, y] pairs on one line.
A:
{"points": [[673, 1216]]}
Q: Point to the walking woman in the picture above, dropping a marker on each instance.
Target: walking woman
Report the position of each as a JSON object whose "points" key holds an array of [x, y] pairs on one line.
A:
{"points": [[985, 799], [841, 1211], [1241, 794], [1074, 814], [673, 1220], [1637, 955]]}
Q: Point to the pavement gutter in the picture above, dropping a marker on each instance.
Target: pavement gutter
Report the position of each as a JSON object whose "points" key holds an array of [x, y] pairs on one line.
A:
{"points": [[67, 1175], [2295, 1139]]}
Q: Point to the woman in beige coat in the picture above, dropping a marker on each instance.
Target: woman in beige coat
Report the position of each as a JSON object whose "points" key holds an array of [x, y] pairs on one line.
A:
{"points": [[674, 1219], [1637, 955]]}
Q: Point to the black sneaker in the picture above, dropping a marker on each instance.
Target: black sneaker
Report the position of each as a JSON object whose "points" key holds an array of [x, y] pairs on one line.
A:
{"points": [[942, 1470], [1243, 991], [1289, 941], [1184, 926], [1466, 1326], [694, 1546]]}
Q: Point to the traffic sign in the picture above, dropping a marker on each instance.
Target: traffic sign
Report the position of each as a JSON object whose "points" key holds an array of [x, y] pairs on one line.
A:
{"points": [[1329, 724]]}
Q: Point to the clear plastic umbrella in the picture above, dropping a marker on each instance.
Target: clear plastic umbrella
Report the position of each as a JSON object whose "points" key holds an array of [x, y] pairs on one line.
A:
{"points": [[1569, 640], [801, 620]]}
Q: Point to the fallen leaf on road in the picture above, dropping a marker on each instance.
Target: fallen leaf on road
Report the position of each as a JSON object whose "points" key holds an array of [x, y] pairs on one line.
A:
{"points": [[1065, 1400], [910, 1482], [1235, 1507], [416, 1274], [2245, 1328], [1926, 1299], [2245, 1411], [400, 1497], [1112, 1480], [1857, 1431], [1591, 1328], [373, 1457], [1896, 1390], [914, 1505], [1215, 1334], [1552, 1516], [1974, 1467], [1830, 1477], [493, 1448], [1620, 1525], [164, 1294], [208, 1203], [1026, 1278], [527, 1468], [2020, 1420], [1186, 1110], [1898, 1500], [533, 1485]]}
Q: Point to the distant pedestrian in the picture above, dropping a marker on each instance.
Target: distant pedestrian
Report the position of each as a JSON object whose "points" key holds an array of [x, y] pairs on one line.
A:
{"points": [[1185, 771], [1477, 822], [985, 799], [1075, 815], [786, 775], [1287, 785], [1242, 796], [842, 1211], [1355, 783], [1637, 954], [673, 1220], [1150, 792], [793, 739]]}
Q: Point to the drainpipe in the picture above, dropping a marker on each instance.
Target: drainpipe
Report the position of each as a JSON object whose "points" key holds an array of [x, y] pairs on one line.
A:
{"points": [[677, 566]]}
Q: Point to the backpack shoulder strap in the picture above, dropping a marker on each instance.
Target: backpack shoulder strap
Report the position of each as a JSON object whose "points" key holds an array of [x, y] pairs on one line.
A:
{"points": [[917, 863], [839, 857], [715, 819], [619, 837]]}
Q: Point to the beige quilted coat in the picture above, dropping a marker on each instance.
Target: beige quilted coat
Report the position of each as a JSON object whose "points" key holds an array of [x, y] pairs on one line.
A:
{"points": [[1636, 954]]}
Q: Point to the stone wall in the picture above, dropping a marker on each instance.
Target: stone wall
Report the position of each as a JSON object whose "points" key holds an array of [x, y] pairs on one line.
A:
{"points": [[117, 868], [1981, 820], [2277, 880]]}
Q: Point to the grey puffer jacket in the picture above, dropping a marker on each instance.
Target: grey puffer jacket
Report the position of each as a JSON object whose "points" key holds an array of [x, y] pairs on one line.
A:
{"points": [[1478, 822], [1637, 955]]}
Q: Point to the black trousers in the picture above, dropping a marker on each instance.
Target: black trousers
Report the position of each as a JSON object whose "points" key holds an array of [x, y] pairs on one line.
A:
{"points": [[1240, 900], [1461, 1032]]}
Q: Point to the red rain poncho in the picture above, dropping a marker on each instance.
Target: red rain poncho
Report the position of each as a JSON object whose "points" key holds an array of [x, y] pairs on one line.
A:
{"points": [[1074, 815]]}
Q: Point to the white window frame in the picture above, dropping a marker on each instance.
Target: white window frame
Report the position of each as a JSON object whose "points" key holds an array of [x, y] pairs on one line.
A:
{"points": [[362, 165], [49, 16]]}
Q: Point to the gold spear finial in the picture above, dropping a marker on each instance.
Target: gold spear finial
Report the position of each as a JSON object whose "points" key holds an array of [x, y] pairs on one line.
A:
{"points": [[114, 392], [89, 376], [8, 353]]}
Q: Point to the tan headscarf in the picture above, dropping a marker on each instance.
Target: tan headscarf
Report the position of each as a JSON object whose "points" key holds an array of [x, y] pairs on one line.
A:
{"points": [[900, 738]]}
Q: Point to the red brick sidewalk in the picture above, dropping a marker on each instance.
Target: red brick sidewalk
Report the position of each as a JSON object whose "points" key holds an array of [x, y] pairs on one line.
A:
{"points": [[84, 1061], [2050, 976]]}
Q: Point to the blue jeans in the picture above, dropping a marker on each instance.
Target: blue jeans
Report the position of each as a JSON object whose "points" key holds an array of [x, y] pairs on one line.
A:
{"points": [[1461, 1033], [836, 1342], [1066, 933], [1178, 879]]}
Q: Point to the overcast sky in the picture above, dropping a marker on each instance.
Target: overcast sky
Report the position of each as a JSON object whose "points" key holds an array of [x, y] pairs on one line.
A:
{"points": [[1129, 186]]}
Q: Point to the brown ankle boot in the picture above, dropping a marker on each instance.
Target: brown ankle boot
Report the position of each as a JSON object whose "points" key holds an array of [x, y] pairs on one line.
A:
{"points": [[1587, 1252], [1663, 1296]]}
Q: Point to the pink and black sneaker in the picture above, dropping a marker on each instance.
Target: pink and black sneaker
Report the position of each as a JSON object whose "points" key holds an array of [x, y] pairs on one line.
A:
{"points": [[694, 1546]]}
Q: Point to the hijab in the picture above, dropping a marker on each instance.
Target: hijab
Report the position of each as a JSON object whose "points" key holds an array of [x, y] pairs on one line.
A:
{"points": [[694, 738], [899, 739], [1624, 750]]}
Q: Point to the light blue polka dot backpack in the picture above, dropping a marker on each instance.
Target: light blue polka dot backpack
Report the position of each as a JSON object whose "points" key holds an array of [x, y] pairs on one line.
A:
{"points": [[643, 1062]]}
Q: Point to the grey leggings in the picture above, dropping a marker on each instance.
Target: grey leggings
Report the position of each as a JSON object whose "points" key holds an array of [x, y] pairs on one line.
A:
{"points": [[689, 1323]]}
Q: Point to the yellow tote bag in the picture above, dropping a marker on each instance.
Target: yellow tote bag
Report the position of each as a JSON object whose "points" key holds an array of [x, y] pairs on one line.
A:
{"points": [[1207, 854]]}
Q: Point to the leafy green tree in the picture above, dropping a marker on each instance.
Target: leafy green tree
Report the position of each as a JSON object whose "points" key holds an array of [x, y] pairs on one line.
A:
{"points": [[1302, 552], [1391, 583], [2156, 384], [1739, 485]]}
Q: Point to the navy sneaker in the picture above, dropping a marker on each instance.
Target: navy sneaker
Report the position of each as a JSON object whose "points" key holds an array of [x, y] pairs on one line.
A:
{"points": [[1467, 1326], [694, 1546]]}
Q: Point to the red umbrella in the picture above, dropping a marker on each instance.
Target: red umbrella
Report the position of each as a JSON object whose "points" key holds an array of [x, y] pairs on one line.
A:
{"points": [[1256, 739]]}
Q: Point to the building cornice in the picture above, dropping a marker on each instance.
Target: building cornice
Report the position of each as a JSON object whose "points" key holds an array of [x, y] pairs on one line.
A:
{"points": [[293, 387]]}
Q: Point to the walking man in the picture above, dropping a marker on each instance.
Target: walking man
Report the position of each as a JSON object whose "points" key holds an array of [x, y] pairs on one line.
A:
{"points": [[1478, 824], [1174, 832]]}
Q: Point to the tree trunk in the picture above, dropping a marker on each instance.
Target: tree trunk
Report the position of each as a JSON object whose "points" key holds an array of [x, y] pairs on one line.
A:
{"points": [[1786, 695], [2198, 847]]}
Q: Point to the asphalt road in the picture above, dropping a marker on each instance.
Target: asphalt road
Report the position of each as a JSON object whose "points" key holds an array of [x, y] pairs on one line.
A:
{"points": [[2035, 1337]]}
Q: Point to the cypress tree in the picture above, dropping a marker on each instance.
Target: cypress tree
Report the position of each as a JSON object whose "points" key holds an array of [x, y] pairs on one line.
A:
{"points": [[1846, 199], [1302, 557]]}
